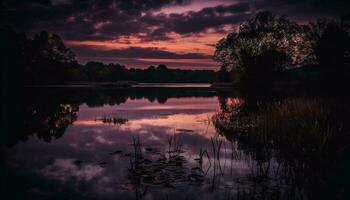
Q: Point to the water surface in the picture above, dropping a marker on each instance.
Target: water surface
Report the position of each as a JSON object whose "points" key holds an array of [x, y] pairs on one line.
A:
{"points": [[163, 145]]}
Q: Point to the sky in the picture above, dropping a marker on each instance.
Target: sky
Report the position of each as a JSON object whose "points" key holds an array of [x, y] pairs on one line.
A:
{"points": [[139, 33]]}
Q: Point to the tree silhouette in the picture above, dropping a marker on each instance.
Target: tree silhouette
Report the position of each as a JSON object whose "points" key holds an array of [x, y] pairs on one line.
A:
{"points": [[264, 44], [331, 43], [44, 59]]}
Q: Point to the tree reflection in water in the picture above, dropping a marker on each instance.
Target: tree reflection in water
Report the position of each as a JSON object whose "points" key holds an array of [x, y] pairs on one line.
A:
{"points": [[277, 148], [298, 146], [47, 112], [46, 117], [49, 121]]}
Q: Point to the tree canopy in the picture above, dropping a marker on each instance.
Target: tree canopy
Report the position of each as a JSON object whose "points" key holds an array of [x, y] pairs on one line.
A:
{"points": [[331, 42], [269, 43], [265, 42]]}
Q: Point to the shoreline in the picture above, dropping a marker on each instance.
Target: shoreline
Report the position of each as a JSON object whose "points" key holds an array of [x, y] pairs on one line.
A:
{"points": [[123, 85]]}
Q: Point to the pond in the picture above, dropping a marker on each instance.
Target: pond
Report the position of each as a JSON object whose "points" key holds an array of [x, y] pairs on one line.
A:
{"points": [[161, 143]]}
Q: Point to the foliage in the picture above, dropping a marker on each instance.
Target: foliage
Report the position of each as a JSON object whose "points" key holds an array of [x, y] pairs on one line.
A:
{"points": [[44, 58], [331, 42], [268, 43], [300, 126], [264, 43], [308, 137]]}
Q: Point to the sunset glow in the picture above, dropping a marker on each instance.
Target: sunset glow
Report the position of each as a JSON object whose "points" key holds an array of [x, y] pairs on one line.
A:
{"points": [[175, 99], [135, 33]]}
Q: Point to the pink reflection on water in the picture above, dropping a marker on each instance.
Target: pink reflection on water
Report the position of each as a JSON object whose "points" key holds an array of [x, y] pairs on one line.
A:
{"points": [[178, 123], [191, 115]]}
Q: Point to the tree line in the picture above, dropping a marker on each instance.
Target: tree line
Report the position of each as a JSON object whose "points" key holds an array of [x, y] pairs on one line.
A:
{"points": [[44, 59], [268, 45]]}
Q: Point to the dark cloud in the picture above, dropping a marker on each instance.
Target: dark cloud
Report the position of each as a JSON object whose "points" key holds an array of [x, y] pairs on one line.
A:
{"points": [[304, 10], [142, 57], [211, 45], [129, 6], [195, 22], [135, 52], [219, 10], [109, 19], [74, 19]]}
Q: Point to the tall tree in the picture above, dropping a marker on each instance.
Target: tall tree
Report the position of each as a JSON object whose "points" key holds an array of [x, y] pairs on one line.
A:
{"points": [[331, 42], [263, 44]]}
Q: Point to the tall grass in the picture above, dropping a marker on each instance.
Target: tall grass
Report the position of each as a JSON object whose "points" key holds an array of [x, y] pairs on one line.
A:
{"points": [[298, 124], [308, 137]]}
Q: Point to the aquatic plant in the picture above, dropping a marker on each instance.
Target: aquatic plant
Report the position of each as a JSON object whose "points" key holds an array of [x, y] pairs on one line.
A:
{"points": [[299, 124], [116, 120], [168, 170]]}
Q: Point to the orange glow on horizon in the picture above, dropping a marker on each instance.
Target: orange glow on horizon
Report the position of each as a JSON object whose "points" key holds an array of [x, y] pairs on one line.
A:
{"points": [[202, 43], [176, 60]]}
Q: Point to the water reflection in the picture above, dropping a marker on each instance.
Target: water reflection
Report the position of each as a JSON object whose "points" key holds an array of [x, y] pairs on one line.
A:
{"points": [[43, 117], [298, 144], [177, 144]]}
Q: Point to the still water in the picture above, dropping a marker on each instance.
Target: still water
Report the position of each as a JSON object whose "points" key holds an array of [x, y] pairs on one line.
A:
{"points": [[136, 144]]}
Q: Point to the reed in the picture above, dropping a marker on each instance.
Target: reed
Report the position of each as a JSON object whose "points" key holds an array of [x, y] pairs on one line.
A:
{"points": [[299, 124]]}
